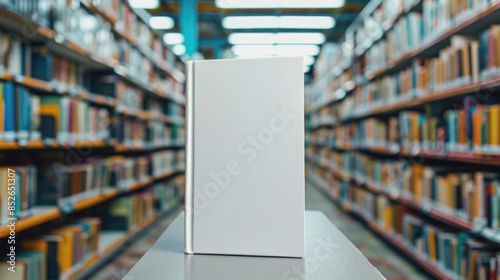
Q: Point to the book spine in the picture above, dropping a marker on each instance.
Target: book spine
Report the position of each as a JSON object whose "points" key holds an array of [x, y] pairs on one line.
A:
{"points": [[189, 199], [9, 115]]}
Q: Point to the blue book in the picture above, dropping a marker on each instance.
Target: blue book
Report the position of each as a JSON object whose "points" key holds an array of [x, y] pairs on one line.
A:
{"points": [[23, 114], [9, 114], [42, 63], [483, 50]]}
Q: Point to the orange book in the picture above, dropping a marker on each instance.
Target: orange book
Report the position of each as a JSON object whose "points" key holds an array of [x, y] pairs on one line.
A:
{"points": [[417, 182], [432, 244], [478, 195], [472, 264], [461, 127]]}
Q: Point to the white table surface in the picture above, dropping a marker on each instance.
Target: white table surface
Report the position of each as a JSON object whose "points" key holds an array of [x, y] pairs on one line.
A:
{"points": [[329, 255]]}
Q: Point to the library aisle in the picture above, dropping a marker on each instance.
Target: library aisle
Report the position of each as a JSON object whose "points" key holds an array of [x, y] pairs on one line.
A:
{"points": [[382, 256], [398, 136]]}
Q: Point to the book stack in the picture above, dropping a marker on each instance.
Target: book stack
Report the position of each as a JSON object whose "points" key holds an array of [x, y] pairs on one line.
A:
{"points": [[125, 213], [61, 249], [164, 162], [457, 253], [166, 194], [406, 35], [377, 56], [23, 194], [374, 132], [470, 196], [470, 129], [440, 14], [14, 55], [488, 54]]}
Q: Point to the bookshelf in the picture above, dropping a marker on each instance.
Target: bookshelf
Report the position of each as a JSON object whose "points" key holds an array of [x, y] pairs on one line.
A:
{"points": [[115, 100], [402, 129]]}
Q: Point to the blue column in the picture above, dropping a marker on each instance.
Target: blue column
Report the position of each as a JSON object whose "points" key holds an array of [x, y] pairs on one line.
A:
{"points": [[188, 20]]}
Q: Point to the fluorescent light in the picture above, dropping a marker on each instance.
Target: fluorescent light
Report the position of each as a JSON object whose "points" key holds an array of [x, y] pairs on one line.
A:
{"points": [[179, 49], [161, 22], [293, 22], [277, 38], [307, 68], [144, 4], [274, 4], [173, 38], [271, 50]]}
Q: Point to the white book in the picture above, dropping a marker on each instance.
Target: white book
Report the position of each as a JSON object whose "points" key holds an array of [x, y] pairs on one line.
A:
{"points": [[245, 157]]}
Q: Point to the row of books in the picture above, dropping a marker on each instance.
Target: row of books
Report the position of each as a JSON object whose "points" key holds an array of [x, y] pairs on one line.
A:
{"points": [[440, 14], [136, 133], [406, 35], [456, 65], [29, 116], [57, 253], [473, 128], [59, 185], [374, 24], [415, 27], [455, 253], [76, 23], [472, 196], [25, 181], [38, 61], [134, 26]]}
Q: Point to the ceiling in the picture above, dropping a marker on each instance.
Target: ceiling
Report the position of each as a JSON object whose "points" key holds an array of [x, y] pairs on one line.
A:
{"points": [[213, 38]]}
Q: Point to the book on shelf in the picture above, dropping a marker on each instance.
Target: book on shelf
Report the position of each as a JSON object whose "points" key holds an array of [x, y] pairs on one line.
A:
{"points": [[126, 213], [25, 188], [64, 247], [452, 252]]}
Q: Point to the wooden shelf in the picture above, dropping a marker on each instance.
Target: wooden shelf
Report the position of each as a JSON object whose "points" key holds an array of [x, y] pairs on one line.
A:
{"points": [[464, 157], [454, 29], [48, 87], [119, 240], [403, 248], [146, 51], [79, 53], [394, 240], [42, 215], [428, 98], [98, 144], [431, 211]]}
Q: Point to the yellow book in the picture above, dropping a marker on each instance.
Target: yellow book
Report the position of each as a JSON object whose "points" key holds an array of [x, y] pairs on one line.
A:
{"points": [[472, 264], [67, 249], [494, 134], [388, 218], [417, 182]]}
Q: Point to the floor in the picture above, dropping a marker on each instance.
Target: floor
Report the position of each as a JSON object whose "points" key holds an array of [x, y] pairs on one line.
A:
{"points": [[381, 255]]}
